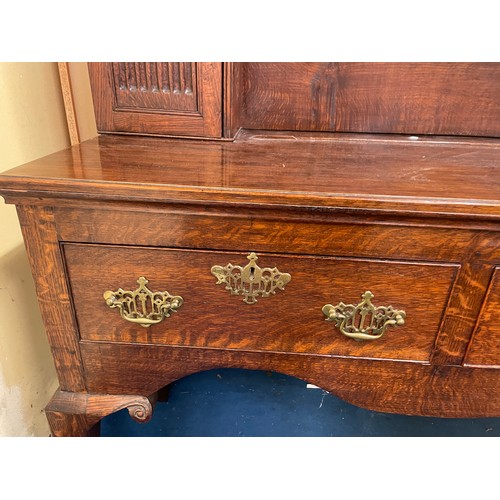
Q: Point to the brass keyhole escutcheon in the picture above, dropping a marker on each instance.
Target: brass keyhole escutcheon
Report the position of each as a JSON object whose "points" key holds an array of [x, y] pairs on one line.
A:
{"points": [[251, 281]]}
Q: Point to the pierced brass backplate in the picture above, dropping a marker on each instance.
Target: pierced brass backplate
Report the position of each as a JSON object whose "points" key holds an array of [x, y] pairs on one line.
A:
{"points": [[363, 321], [251, 281], [143, 306]]}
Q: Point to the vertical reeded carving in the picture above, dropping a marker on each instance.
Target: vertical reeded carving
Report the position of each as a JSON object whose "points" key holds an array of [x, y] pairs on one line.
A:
{"points": [[161, 87], [164, 81], [153, 77], [120, 75], [171, 77], [176, 78], [188, 78], [142, 78], [131, 76]]}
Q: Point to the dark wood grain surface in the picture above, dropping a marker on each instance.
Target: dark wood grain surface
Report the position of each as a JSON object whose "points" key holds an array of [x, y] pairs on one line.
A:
{"points": [[290, 321], [165, 98], [381, 385], [292, 232], [485, 346], [413, 217], [419, 98], [399, 174], [54, 296], [296, 233], [405, 98]]}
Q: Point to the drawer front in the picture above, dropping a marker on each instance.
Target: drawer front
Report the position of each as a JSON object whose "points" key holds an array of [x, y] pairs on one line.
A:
{"points": [[485, 344], [291, 321]]}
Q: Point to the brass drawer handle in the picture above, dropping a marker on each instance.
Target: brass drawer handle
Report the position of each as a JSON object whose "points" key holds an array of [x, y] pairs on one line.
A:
{"points": [[363, 321], [251, 281], [142, 306]]}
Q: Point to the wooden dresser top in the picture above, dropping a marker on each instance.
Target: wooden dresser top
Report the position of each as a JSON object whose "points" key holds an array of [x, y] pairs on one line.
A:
{"points": [[442, 175]]}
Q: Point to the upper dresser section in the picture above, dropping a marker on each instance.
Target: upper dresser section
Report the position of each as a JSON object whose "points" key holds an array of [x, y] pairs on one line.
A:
{"points": [[215, 100], [392, 98], [165, 98]]}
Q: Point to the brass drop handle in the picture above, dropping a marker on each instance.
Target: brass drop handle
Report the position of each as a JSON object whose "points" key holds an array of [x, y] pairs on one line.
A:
{"points": [[363, 321], [142, 306], [251, 281]]}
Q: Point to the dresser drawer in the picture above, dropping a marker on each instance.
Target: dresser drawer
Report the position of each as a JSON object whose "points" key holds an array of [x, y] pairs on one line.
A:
{"points": [[291, 321], [485, 344]]}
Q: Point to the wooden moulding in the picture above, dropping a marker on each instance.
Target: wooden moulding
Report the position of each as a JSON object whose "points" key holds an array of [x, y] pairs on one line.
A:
{"points": [[362, 175], [69, 105]]}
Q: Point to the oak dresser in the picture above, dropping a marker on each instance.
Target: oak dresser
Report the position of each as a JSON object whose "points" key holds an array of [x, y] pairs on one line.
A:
{"points": [[335, 222]]}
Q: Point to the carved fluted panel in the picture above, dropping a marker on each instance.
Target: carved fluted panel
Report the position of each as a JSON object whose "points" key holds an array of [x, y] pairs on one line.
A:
{"points": [[160, 87], [158, 98]]}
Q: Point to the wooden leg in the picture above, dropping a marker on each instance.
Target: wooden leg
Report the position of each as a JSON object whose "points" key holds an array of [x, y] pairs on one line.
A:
{"points": [[67, 425], [79, 414]]}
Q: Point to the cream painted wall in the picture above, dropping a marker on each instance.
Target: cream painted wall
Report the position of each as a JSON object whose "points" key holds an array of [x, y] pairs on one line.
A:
{"points": [[32, 124]]}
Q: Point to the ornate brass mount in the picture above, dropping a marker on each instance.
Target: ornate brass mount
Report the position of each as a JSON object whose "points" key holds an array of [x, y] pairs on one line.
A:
{"points": [[143, 306], [251, 281], [363, 321]]}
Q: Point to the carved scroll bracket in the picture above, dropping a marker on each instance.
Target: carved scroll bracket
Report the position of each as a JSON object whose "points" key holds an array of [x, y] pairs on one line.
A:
{"points": [[97, 406]]}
